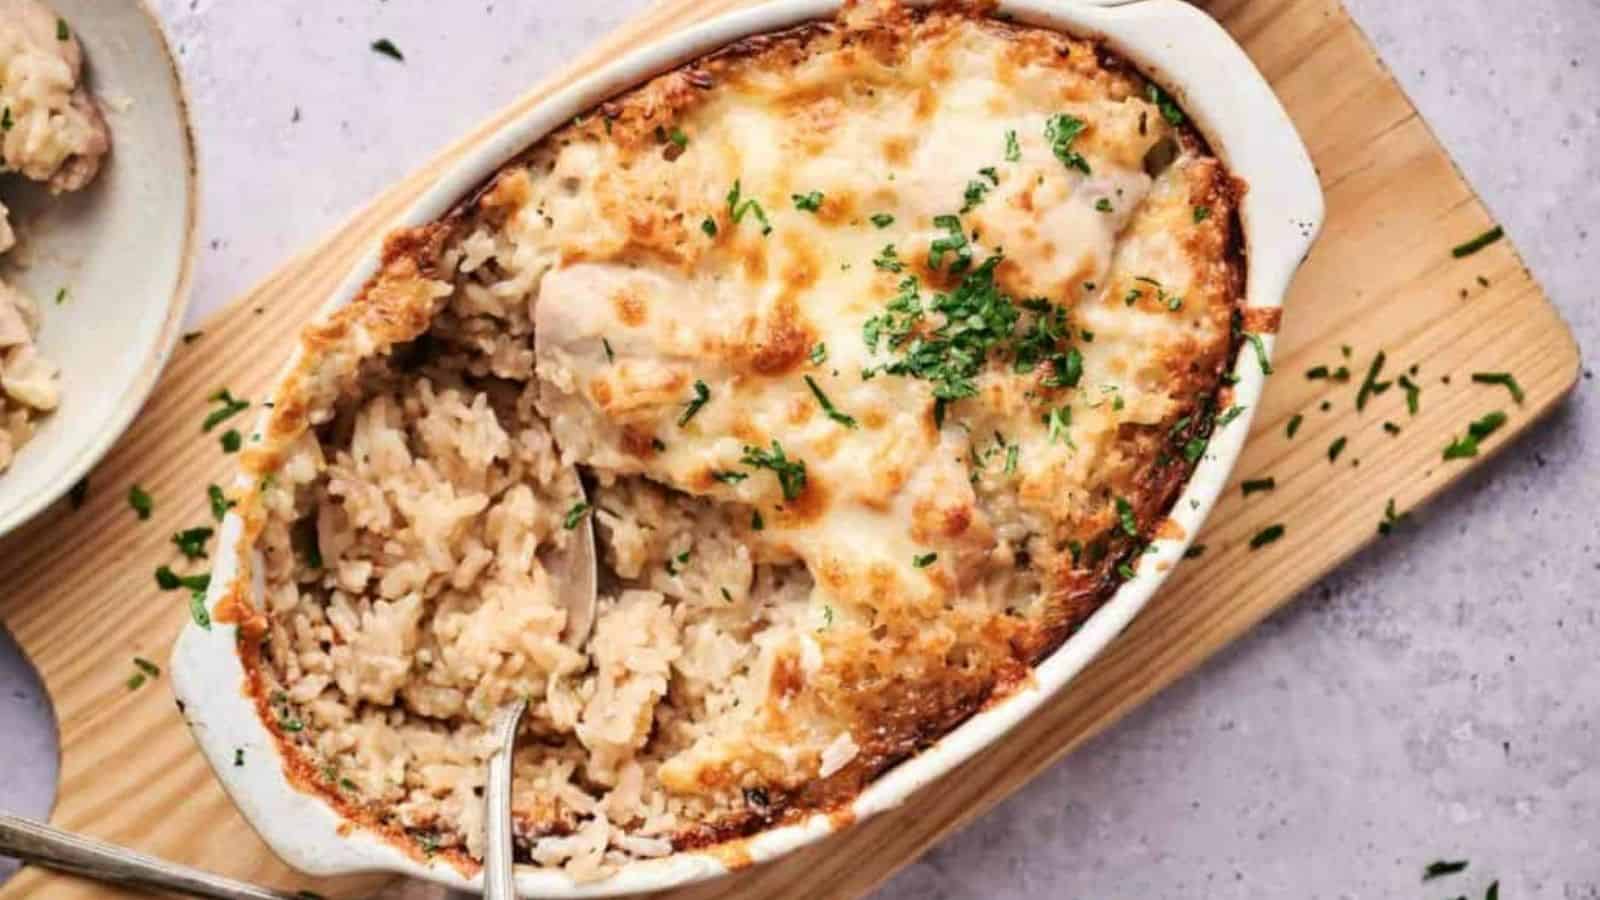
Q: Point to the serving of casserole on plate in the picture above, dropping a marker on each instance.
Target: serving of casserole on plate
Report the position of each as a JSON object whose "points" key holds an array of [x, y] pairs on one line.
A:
{"points": [[900, 350]]}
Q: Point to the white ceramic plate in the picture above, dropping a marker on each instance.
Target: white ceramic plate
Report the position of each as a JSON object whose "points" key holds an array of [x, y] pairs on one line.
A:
{"points": [[122, 248], [1172, 42]]}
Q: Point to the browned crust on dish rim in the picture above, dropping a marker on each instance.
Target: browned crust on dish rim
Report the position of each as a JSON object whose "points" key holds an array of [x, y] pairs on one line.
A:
{"points": [[394, 306]]}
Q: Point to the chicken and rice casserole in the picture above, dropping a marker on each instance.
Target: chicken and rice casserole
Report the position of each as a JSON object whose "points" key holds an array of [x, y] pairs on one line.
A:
{"points": [[883, 345]]}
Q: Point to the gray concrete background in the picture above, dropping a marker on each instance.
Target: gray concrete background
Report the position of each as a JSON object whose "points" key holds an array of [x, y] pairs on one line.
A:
{"points": [[1435, 697]]}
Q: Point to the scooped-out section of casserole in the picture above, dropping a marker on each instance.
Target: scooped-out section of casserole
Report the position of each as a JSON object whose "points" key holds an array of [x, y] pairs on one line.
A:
{"points": [[883, 344]]}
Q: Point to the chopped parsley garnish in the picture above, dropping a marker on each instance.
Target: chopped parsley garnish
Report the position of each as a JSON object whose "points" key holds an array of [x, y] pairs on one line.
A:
{"points": [[818, 354], [1229, 414], [1011, 459], [1467, 447], [791, 473], [1478, 243], [1103, 205], [756, 522], [888, 260], [387, 48], [973, 195], [197, 609], [676, 563], [882, 220], [738, 207], [1371, 386], [1130, 525], [1442, 868], [1316, 372], [809, 202], [977, 318], [1126, 571], [1391, 428], [1390, 519], [677, 136], [729, 477], [1256, 485], [1059, 420], [290, 724], [5, 119], [1294, 424], [702, 396], [238, 757], [1261, 351], [141, 502], [1201, 213], [62, 33], [168, 580], [925, 560], [1164, 102], [1266, 536], [231, 440], [1336, 448], [229, 406], [576, 515], [147, 670], [61, 296], [827, 405], [1501, 378], [954, 241], [611, 355], [727, 596], [191, 542], [1413, 393], [1013, 148], [1061, 130], [1194, 449], [709, 226]]}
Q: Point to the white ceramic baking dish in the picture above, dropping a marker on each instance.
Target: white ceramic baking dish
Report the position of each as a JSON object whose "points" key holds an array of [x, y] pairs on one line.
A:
{"points": [[1172, 42]]}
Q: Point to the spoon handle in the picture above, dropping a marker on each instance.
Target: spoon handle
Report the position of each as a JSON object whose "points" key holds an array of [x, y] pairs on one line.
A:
{"points": [[38, 843], [498, 880]]}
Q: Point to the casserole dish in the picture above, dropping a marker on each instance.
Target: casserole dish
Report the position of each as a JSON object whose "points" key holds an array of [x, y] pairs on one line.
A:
{"points": [[1278, 218]]}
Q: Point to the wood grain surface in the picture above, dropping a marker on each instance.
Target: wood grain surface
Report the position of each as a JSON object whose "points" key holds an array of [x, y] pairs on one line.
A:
{"points": [[76, 585]]}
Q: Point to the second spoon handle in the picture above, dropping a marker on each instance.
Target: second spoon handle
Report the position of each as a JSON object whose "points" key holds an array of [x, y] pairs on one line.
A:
{"points": [[38, 843]]}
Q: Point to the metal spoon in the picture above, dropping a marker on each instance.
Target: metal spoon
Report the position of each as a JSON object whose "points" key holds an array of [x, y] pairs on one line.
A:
{"points": [[574, 569], [38, 843]]}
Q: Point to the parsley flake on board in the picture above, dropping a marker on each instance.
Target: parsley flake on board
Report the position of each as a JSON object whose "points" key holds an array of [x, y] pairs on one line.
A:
{"points": [[228, 406], [576, 515], [1256, 485], [1442, 868], [702, 396], [1294, 424], [808, 202], [1467, 447], [1478, 243], [791, 474], [1195, 551], [141, 502], [739, 207], [1266, 536], [827, 405], [191, 542], [1391, 519], [1413, 393], [1504, 379], [1371, 386], [1061, 130], [387, 48], [1336, 448]]}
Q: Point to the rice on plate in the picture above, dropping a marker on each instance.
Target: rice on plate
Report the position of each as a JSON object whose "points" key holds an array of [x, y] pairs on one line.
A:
{"points": [[884, 344]]}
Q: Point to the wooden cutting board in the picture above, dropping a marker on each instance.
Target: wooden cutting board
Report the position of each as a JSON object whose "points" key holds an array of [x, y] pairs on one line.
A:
{"points": [[76, 586]]}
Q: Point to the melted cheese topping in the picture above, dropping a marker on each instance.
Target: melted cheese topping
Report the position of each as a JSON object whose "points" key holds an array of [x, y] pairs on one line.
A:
{"points": [[704, 270]]}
